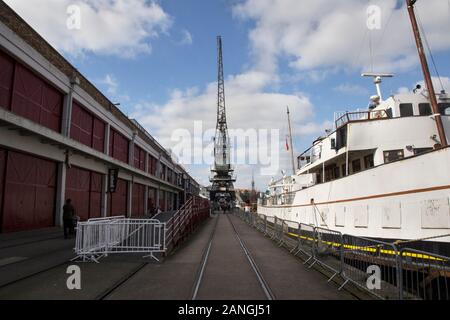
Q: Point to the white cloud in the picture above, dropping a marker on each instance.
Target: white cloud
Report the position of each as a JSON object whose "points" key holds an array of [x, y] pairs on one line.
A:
{"points": [[111, 86], [352, 89], [438, 84], [186, 37], [313, 128], [108, 27], [110, 82], [249, 106], [317, 35]]}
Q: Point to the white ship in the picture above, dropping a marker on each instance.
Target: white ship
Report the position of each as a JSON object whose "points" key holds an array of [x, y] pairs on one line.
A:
{"points": [[382, 173]]}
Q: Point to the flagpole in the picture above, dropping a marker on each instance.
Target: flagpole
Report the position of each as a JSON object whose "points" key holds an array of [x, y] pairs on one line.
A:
{"points": [[290, 138]]}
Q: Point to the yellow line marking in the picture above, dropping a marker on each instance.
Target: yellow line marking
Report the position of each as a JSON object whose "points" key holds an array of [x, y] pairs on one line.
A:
{"points": [[374, 248]]}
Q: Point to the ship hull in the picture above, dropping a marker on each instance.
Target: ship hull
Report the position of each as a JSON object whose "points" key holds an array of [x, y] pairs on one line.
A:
{"points": [[402, 200]]}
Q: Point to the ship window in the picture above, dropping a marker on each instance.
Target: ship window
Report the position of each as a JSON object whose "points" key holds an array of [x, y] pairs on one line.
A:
{"points": [[356, 165], [444, 109], [368, 161], [424, 109], [421, 150], [393, 155], [406, 110], [336, 172], [344, 171], [389, 112]]}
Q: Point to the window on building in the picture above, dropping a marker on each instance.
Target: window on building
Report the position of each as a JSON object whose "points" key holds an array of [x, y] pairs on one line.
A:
{"points": [[444, 109], [424, 109], [368, 161], [356, 165], [393, 155], [406, 110], [421, 150], [344, 170]]}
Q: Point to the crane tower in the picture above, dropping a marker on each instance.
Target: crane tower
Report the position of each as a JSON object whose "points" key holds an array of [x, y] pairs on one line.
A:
{"points": [[222, 189]]}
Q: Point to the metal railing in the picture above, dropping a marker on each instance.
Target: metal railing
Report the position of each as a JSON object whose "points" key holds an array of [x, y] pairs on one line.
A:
{"points": [[102, 236], [424, 276], [186, 219], [359, 116], [363, 257], [99, 237], [377, 267]]}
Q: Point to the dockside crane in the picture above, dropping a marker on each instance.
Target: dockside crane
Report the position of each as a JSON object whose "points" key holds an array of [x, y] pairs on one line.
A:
{"points": [[222, 192]]}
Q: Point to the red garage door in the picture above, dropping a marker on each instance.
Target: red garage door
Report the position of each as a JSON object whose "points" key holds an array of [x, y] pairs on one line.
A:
{"points": [[6, 79], [77, 189], [86, 128], [118, 200], [139, 158], [30, 187], [151, 199], [118, 146], [2, 180], [84, 188], [138, 200], [162, 200], [36, 100], [96, 195]]}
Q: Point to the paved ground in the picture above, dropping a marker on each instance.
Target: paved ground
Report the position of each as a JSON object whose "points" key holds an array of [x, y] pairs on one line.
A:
{"points": [[227, 274]]}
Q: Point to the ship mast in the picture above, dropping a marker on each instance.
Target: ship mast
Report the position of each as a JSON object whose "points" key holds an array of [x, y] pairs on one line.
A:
{"points": [[426, 73], [290, 138]]}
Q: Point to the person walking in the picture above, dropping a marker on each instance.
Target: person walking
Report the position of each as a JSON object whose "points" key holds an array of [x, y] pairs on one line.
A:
{"points": [[68, 215]]}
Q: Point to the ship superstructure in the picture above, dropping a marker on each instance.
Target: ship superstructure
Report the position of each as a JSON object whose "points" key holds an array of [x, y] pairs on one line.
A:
{"points": [[381, 172]]}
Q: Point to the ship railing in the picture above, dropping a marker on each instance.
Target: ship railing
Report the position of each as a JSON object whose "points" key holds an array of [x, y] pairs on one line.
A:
{"points": [[379, 268], [347, 117]]}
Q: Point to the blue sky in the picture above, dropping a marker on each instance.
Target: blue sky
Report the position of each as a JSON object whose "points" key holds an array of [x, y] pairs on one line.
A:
{"points": [[158, 59]]}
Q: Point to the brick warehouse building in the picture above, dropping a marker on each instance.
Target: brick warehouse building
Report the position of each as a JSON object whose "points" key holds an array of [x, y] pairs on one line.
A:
{"points": [[60, 136]]}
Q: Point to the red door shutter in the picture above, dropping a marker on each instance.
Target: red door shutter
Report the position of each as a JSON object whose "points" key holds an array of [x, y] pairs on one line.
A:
{"points": [[98, 139], [162, 200], [51, 110], [119, 147], [27, 97], [139, 158], [138, 200], [96, 195], [151, 204], [35, 100], [6, 80], [118, 204], [3, 156], [77, 189], [30, 189], [81, 125]]}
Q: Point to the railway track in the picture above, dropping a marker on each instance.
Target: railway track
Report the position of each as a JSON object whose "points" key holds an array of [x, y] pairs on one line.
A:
{"points": [[246, 252], [128, 276]]}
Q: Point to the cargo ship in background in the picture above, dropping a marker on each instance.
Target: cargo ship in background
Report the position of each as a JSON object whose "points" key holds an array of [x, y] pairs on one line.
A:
{"points": [[382, 173]]}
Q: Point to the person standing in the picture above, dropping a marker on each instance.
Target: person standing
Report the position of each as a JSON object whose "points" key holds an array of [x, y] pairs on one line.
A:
{"points": [[68, 215]]}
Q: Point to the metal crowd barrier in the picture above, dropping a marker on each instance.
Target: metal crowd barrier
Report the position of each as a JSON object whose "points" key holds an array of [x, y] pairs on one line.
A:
{"points": [[328, 250], [99, 237], [377, 267], [424, 276], [362, 256]]}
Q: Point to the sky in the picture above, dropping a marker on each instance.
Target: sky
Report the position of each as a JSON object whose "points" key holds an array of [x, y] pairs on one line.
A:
{"points": [[158, 59]]}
